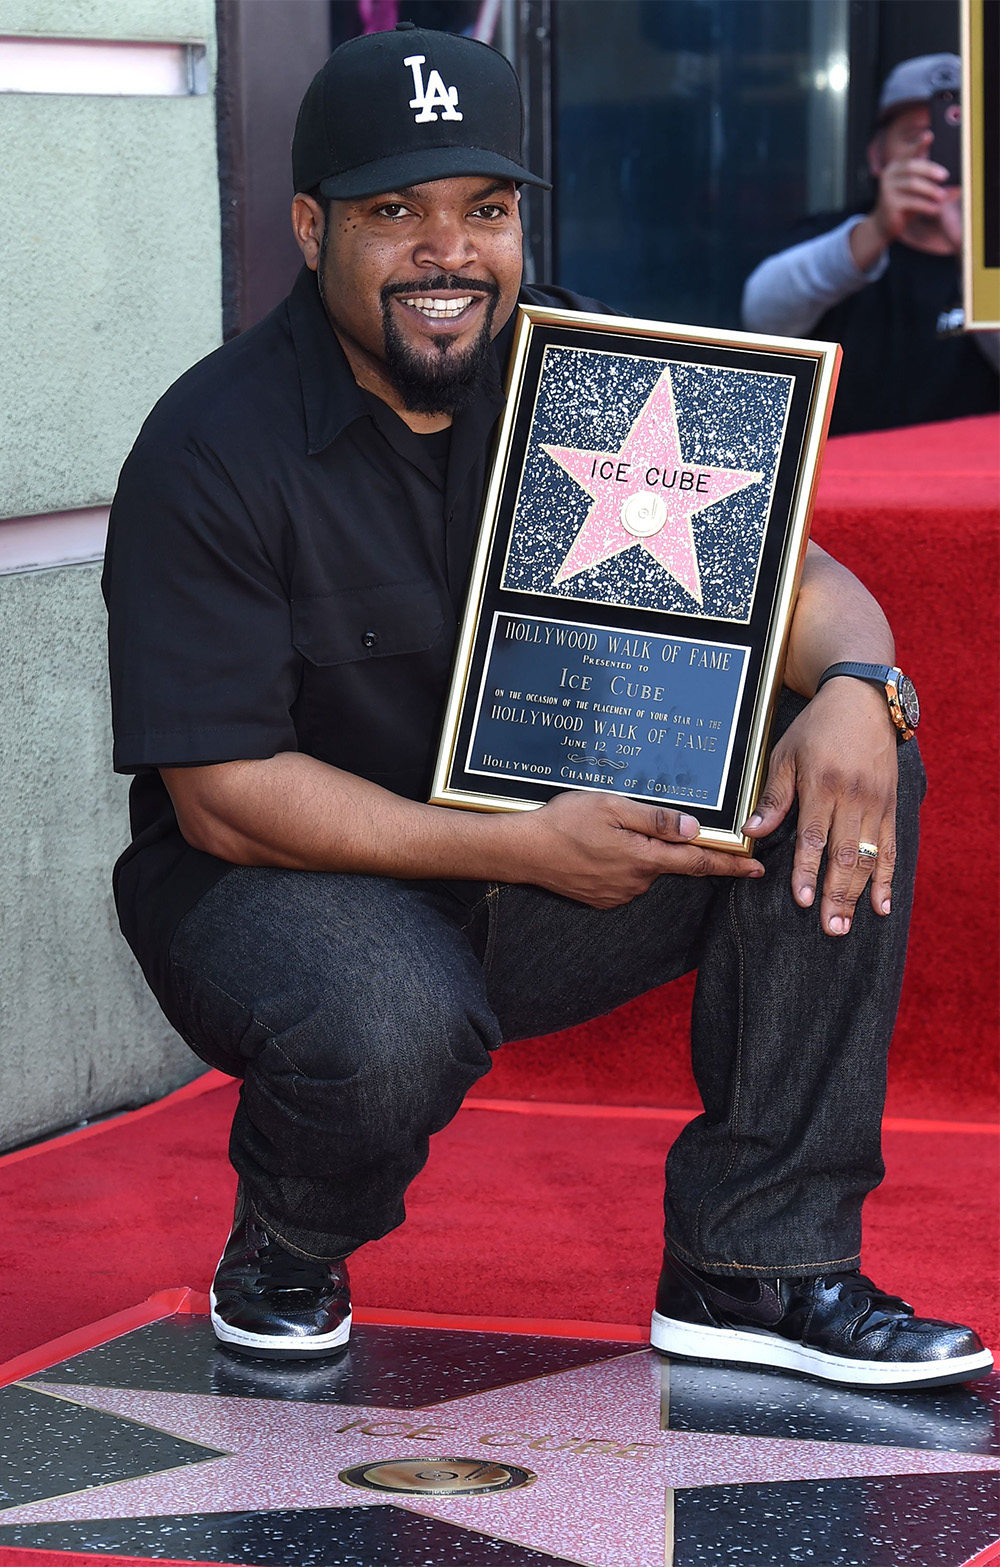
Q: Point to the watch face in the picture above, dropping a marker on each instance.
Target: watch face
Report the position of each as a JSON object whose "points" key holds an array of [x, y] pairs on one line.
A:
{"points": [[909, 702]]}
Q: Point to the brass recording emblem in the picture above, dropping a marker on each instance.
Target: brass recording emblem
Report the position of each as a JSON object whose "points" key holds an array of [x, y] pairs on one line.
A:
{"points": [[437, 1476]]}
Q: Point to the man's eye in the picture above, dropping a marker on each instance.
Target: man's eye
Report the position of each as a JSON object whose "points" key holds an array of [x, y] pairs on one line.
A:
{"points": [[492, 211], [391, 209]]}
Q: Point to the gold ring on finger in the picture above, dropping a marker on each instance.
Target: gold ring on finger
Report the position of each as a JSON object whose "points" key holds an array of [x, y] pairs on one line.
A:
{"points": [[867, 851]]}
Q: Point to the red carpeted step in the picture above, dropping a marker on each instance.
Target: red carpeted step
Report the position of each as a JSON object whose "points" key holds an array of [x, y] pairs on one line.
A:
{"points": [[519, 1215], [914, 514], [20, 1556], [639, 1055]]}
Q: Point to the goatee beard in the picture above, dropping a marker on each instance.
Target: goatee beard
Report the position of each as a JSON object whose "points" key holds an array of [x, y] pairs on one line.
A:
{"points": [[447, 382]]}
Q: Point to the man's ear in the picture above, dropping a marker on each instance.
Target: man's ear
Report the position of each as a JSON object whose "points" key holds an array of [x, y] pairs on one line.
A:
{"points": [[307, 226], [876, 155]]}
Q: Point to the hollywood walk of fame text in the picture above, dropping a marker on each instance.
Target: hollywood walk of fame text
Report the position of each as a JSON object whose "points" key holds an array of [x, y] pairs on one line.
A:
{"points": [[591, 707]]}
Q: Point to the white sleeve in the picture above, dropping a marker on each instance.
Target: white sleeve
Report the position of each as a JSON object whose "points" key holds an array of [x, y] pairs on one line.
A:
{"points": [[789, 292]]}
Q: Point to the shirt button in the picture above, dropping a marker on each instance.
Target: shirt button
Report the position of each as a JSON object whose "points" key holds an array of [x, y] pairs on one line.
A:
{"points": [[370, 639]]}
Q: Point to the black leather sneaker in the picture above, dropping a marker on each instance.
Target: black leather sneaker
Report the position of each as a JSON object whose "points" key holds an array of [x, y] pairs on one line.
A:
{"points": [[838, 1328], [276, 1304]]}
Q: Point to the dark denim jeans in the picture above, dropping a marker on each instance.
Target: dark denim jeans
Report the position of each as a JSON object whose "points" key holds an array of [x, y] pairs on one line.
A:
{"points": [[359, 1011]]}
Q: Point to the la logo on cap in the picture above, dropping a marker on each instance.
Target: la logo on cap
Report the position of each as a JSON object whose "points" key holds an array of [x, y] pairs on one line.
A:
{"points": [[432, 97]]}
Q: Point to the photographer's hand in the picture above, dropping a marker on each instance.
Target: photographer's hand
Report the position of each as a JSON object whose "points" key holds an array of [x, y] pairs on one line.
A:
{"points": [[911, 190]]}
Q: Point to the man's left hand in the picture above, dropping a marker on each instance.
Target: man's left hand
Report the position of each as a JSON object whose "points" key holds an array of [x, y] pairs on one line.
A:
{"points": [[839, 757]]}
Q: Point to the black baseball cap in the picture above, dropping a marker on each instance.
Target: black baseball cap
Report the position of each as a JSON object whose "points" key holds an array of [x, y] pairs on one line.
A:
{"points": [[399, 108]]}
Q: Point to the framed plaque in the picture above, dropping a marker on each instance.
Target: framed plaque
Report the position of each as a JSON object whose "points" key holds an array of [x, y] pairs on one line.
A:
{"points": [[644, 527], [981, 162]]}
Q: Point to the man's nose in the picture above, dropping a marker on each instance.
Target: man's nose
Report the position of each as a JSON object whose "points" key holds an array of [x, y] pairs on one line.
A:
{"points": [[445, 244]]}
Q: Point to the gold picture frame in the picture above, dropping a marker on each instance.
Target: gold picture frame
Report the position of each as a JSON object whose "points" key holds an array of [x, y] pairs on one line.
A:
{"points": [[981, 163], [638, 559]]}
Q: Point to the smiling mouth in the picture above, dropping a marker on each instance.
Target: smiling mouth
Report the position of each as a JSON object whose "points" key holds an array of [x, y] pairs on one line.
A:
{"points": [[439, 309]]}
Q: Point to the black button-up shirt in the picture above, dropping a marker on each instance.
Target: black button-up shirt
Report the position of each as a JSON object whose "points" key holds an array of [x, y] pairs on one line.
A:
{"points": [[286, 566]]}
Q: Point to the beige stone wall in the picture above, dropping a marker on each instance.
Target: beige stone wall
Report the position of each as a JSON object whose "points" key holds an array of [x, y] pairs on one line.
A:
{"points": [[79, 1033], [110, 271], [111, 267]]}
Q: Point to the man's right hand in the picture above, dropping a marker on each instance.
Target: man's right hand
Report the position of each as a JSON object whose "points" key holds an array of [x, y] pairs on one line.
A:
{"points": [[909, 188], [292, 810], [604, 850]]}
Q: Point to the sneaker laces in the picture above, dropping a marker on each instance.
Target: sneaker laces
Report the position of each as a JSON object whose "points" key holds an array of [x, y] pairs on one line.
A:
{"points": [[858, 1290], [282, 1271]]}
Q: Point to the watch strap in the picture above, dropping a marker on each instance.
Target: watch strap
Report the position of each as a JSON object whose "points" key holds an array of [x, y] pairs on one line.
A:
{"points": [[878, 673], [889, 678]]}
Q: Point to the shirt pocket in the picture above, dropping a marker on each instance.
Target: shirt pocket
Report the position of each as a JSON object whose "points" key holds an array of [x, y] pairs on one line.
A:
{"points": [[361, 623]]}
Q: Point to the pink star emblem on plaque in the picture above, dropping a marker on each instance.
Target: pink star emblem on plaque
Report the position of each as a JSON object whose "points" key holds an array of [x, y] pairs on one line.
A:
{"points": [[646, 494]]}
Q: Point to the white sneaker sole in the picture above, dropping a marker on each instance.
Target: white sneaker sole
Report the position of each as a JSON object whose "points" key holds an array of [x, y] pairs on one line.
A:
{"points": [[272, 1347], [758, 1347]]}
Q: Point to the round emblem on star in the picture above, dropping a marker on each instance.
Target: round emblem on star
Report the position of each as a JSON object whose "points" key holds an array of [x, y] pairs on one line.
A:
{"points": [[437, 1476], [643, 514]]}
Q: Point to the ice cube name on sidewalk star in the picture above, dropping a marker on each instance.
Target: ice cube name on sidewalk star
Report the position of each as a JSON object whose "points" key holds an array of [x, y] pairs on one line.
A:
{"points": [[592, 1436]]}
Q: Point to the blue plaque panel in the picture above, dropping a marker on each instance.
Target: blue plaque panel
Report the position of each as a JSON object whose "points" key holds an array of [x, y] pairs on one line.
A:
{"points": [[586, 706]]}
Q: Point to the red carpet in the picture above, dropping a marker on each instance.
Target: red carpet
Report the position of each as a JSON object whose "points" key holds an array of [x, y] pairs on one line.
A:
{"points": [[560, 1219], [914, 514], [16, 1556], [559, 1215]]}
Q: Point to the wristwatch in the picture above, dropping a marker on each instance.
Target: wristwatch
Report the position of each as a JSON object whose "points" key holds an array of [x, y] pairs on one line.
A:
{"points": [[900, 692]]}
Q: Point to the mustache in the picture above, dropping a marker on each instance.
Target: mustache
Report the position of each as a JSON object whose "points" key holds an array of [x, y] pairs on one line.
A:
{"points": [[443, 282]]}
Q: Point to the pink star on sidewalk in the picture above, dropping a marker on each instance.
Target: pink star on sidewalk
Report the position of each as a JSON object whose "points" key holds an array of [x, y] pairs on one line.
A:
{"points": [[646, 494], [592, 1436]]}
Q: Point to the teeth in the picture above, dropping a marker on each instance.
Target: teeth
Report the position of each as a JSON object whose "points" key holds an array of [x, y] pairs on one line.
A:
{"points": [[440, 309]]}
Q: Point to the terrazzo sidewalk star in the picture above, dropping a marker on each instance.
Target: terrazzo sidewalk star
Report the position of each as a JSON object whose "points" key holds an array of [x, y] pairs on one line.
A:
{"points": [[607, 1472], [645, 494]]}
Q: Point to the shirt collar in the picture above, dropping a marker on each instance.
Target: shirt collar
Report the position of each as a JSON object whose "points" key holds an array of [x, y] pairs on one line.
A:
{"points": [[332, 398]]}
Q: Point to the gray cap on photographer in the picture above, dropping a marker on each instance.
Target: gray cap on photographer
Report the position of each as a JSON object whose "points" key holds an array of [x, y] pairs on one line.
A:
{"points": [[917, 80]]}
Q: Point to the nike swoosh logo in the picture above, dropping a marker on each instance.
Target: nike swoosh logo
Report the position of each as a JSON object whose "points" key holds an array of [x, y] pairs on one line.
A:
{"points": [[766, 1309]]}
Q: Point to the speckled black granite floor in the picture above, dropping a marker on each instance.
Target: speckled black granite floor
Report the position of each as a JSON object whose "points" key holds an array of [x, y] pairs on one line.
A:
{"points": [[162, 1445], [397, 1368]]}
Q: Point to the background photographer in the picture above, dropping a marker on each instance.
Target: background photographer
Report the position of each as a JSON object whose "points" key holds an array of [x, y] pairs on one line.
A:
{"points": [[887, 284]]}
